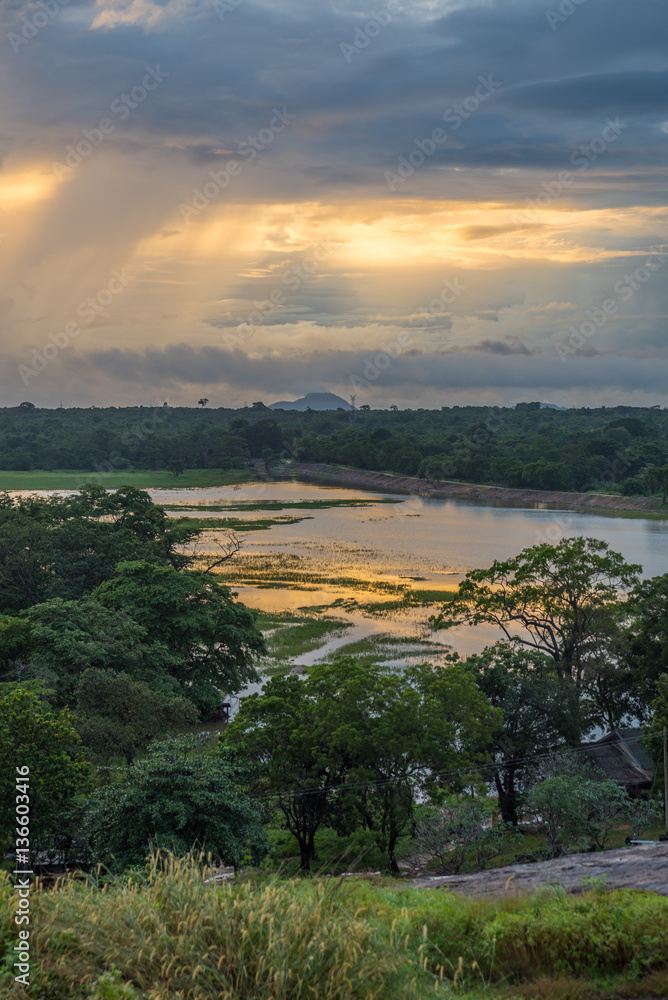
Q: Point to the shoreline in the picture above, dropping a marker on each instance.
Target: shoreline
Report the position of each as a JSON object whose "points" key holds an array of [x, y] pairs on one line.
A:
{"points": [[549, 499]]}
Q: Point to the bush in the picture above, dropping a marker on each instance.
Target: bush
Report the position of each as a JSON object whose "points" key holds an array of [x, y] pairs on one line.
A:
{"points": [[632, 487], [577, 812], [458, 836], [179, 797]]}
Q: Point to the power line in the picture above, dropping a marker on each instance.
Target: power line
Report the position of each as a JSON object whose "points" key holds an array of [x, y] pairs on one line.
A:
{"points": [[491, 767]]}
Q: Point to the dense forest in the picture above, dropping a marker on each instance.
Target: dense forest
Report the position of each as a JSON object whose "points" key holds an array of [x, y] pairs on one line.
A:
{"points": [[609, 448]]}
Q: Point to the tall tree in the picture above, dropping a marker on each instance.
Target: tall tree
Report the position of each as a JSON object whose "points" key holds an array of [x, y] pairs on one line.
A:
{"points": [[401, 734], [34, 737], [539, 713], [274, 737], [68, 637], [562, 600], [354, 743], [648, 637]]}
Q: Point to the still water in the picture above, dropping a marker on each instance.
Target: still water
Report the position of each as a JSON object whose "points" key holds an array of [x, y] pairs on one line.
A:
{"points": [[343, 553]]}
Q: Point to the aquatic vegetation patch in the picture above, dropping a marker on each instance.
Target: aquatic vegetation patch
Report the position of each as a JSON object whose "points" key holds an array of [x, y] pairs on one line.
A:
{"points": [[254, 505], [236, 523], [297, 572]]}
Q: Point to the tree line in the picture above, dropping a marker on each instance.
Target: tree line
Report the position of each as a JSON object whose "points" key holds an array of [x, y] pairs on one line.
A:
{"points": [[609, 448]]}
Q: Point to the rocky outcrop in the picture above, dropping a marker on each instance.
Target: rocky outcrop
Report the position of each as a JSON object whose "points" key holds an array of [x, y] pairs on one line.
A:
{"points": [[643, 866]]}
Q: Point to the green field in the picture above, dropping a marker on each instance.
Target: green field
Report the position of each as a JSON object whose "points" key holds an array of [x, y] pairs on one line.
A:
{"points": [[73, 480]]}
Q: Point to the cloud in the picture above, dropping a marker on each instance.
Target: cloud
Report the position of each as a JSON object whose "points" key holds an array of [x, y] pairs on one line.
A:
{"points": [[457, 215], [415, 369]]}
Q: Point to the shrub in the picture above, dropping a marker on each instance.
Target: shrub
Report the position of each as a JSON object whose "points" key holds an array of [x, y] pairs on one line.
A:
{"points": [[576, 812], [178, 797], [458, 836]]}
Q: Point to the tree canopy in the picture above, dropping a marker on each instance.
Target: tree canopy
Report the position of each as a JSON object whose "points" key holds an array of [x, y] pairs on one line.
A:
{"points": [[361, 738], [212, 639], [179, 797], [562, 600]]}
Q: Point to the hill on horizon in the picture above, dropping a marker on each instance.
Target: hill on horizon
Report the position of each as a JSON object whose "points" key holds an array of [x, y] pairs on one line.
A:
{"points": [[314, 401]]}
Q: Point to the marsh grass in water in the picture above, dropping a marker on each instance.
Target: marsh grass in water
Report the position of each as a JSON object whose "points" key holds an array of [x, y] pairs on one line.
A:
{"points": [[247, 506], [236, 523], [164, 934], [297, 572], [383, 648]]}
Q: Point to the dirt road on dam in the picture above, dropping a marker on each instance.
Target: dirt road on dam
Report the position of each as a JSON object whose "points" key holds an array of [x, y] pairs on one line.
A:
{"points": [[386, 483]]}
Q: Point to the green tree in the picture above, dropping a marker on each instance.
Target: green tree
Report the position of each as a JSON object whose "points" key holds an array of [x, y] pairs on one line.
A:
{"points": [[656, 477], [576, 813], [275, 737], [25, 570], [647, 650], [179, 797], [212, 638], [15, 646], [562, 600], [400, 733], [67, 546], [35, 737], [68, 637], [458, 834], [119, 716], [355, 742], [539, 712]]}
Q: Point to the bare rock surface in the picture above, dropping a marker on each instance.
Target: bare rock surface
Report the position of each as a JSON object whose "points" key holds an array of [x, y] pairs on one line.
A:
{"points": [[643, 866]]}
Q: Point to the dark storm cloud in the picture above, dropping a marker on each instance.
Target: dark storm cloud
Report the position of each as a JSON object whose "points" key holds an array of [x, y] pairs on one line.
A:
{"points": [[416, 369], [224, 78]]}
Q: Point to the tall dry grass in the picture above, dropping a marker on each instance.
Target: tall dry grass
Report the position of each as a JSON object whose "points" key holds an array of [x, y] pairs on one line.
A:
{"points": [[173, 936], [167, 935]]}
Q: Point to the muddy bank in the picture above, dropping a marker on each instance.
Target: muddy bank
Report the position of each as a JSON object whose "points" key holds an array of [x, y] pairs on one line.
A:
{"points": [[642, 867], [486, 494]]}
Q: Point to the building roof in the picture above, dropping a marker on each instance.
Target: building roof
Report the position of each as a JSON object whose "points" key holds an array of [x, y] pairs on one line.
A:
{"points": [[622, 756]]}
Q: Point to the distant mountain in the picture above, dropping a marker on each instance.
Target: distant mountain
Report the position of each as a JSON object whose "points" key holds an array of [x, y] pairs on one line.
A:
{"points": [[314, 401]]}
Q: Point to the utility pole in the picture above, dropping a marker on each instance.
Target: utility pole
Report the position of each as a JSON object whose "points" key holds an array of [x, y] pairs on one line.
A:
{"points": [[665, 780]]}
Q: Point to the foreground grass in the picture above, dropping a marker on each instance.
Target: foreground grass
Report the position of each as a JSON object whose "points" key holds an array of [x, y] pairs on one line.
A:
{"points": [[167, 935], [73, 480]]}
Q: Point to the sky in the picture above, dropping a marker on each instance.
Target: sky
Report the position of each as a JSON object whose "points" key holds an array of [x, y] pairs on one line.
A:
{"points": [[428, 203]]}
